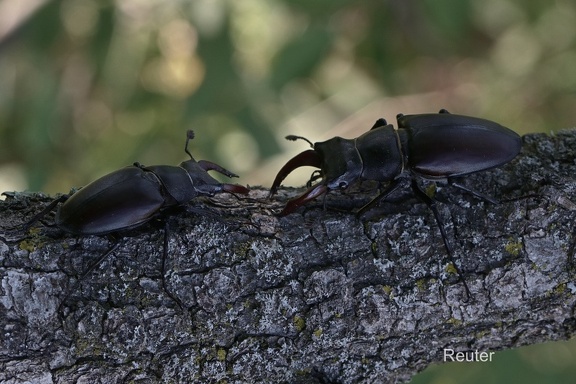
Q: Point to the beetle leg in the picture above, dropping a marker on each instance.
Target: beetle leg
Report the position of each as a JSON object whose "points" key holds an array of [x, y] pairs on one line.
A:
{"points": [[310, 194], [317, 174], [309, 157], [91, 268], [391, 188], [41, 214], [431, 203], [473, 192], [163, 267], [210, 166]]}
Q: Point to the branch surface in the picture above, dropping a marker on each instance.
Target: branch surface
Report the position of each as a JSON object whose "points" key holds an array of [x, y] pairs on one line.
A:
{"points": [[318, 296]]}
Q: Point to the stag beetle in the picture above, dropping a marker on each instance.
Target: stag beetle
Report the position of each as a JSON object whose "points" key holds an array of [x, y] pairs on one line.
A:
{"points": [[433, 146], [132, 196]]}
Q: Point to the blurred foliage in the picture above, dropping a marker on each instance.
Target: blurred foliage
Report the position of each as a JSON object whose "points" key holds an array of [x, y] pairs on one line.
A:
{"points": [[89, 86], [544, 363]]}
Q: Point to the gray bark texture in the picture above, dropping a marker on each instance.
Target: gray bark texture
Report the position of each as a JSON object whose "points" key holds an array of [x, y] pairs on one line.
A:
{"points": [[318, 296]]}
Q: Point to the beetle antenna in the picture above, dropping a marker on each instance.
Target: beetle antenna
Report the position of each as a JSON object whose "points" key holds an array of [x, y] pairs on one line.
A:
{"points": [[294, 138], [189, 136]]}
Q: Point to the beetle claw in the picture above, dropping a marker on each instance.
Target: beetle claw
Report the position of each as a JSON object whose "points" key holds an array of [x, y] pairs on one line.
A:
{"points": [[309, 157], [310, 194]]}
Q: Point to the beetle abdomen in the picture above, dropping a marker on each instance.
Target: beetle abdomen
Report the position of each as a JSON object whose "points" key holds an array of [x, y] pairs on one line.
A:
{"points": [[120, 200], [445, 145]]}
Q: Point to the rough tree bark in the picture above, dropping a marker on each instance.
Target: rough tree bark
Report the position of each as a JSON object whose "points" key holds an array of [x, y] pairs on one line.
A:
{"points": [[318, 296]]}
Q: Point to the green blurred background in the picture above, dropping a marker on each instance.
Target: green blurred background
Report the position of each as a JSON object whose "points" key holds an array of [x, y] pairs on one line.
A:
{"points": [[89, 86]]}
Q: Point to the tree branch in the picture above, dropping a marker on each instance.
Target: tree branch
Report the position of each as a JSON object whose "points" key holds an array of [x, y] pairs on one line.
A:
{"points": [[317, 296]]}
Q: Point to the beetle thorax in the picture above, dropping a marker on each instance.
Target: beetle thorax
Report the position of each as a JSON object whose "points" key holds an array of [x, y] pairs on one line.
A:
{"points": [[382, 153]]}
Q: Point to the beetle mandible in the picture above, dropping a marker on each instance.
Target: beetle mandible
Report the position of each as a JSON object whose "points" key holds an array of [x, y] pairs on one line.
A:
{"points": [[436, 147]]}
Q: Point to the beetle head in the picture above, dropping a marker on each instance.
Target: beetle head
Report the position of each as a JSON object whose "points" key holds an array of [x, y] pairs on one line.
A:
{"points": [[203, 183], [339, 162]]}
